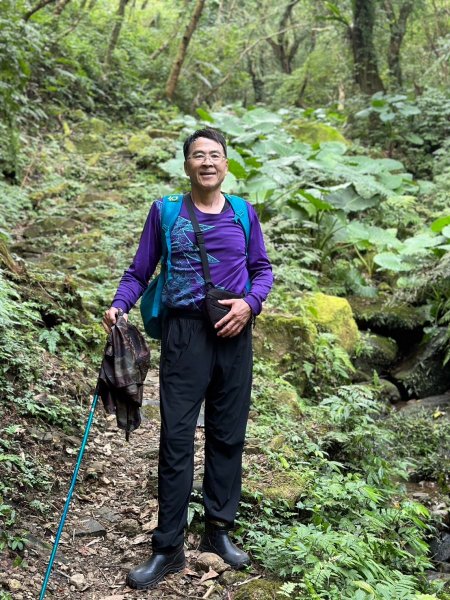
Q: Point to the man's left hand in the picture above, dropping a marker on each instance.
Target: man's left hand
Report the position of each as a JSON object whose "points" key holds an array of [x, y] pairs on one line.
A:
{"points": [[234, 321]]}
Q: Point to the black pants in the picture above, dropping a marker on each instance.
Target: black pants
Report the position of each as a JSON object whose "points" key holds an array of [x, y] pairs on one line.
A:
{"points": [[197, 365]]}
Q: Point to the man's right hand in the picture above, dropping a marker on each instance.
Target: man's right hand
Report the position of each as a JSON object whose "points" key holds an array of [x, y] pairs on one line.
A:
{"points": [[110, 318]]}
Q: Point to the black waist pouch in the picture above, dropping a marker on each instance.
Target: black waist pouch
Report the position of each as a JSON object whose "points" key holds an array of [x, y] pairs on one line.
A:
{"points": [[213, 310]]}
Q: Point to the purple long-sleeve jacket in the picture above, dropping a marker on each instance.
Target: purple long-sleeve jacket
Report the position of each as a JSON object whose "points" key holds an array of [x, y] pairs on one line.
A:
{"points": [[230, 265]]}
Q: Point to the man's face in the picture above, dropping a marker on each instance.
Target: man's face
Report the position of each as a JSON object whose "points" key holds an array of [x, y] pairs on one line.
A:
{"points": [[206, 165]]}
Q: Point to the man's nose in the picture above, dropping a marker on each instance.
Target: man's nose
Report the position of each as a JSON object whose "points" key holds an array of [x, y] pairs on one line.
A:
{"points": [[207, 160]]}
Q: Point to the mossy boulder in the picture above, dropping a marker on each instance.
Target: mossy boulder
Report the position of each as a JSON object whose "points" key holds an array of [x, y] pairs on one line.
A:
{"points": [[95, 125], [284, 486], [93, 197], [138, 142], [259, 589], [149, 151], [334, 315], [285, 341], [376, 352], [312, 132], [90, 143], [58, 189], [379, 314], [52, 226]]}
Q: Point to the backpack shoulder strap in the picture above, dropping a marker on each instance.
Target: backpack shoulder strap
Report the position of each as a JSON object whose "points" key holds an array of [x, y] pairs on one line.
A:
{"points": [[240, 207], [170, 209], [241, 215]]}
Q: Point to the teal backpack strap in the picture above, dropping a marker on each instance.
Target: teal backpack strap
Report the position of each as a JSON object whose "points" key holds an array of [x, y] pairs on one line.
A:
{"points": [[171, 207], [152, 310], [240, 207]]}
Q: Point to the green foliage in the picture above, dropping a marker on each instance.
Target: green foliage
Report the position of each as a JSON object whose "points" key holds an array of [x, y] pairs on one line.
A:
{"points": [[388, 108], [20, 42], [329, 366], [422, 439]]}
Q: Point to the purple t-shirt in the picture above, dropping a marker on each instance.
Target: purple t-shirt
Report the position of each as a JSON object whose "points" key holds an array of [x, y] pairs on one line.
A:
{"points": [[229, 264]]}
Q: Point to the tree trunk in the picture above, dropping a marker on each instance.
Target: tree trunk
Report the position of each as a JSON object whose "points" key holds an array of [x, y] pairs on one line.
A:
{"points": [[257, 81], [176, 67], [397, 26], [365, 67], [304, 85], [283, 50], [115, 32]]}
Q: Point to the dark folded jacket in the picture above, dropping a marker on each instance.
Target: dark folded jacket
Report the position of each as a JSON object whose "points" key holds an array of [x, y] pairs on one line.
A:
{"points": [[122, 374]]}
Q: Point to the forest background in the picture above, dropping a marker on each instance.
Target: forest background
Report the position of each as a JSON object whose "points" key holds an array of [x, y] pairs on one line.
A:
{"points": [[338, 118]]}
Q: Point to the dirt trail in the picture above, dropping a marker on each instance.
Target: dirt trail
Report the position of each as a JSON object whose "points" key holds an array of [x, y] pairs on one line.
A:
{"points": [[109, 524]]}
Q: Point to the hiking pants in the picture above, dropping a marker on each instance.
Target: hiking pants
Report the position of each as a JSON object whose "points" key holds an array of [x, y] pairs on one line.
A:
{"points": [[197, 365]]}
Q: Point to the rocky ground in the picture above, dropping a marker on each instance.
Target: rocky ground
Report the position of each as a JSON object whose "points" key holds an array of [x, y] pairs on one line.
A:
{"points": [[109, 524]]}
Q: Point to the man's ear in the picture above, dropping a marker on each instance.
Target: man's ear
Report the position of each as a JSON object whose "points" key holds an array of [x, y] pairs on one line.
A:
{"points": [[185, 166]]}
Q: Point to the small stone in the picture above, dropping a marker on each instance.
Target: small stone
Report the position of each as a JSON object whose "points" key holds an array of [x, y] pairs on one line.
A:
{"points": [[14, 585], [108, 515], [209, 560], [78, 580], [130, 526], [91, 527]]}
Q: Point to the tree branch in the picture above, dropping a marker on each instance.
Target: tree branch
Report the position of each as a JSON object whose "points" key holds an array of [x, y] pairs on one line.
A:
{"points": [[27, 16]]}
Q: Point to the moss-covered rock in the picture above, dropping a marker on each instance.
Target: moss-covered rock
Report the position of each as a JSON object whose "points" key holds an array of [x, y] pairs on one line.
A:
{"points": [[52, 226], [93, 197], [376, 314], [259, 589], [312, 132], [284, 486], [376, 352], [95, 125], [149, 151], [285, 341], [277, 336], [90, 143], [138, 142], [389, 391], [334, 315]]}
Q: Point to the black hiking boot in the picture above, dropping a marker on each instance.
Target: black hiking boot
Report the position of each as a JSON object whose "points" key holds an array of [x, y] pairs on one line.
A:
{"points": [[216, 540], [149, 573]]}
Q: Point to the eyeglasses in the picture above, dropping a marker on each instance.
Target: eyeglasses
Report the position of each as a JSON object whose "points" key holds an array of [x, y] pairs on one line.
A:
{"points": [[199, 157]]}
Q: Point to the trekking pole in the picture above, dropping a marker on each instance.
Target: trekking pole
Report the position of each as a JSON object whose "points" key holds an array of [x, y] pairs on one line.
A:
{"points": [[69, 494]]}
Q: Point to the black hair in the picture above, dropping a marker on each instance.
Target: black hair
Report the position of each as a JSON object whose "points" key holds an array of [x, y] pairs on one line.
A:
{"points": [[210, 133]]}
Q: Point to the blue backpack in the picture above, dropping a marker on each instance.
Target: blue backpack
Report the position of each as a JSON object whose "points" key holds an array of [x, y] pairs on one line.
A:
{"points": [[152, 308]]}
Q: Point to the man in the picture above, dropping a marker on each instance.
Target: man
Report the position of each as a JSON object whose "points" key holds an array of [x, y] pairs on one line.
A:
{"points": [[197, 361]]}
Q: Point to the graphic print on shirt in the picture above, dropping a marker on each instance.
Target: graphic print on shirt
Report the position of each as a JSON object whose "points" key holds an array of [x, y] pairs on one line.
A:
{"points": [[187, 271]]}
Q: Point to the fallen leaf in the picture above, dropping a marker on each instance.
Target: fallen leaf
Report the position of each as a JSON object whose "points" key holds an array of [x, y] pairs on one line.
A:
{"points": [[151, 525], [85, 551], [190, 572], [140, 539], [211, 574]]}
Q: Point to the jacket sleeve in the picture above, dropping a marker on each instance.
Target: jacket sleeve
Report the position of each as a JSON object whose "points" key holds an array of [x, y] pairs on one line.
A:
{"points": [[135, 279], [259, 267]]}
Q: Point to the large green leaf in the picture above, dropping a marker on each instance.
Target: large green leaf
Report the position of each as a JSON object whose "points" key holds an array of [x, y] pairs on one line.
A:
{"points": [[419, 244], [204, 115], [438, 225], [358, 232], [345, 197], [391, 262], [237, 169]]}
